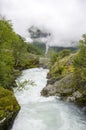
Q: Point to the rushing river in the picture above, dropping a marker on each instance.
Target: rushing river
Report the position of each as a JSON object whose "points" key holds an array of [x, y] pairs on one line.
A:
{"points": [[40, 113]]}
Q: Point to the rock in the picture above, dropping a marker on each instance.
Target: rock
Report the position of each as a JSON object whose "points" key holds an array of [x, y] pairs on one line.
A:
{"points": [[74, 96], [70, 99], [63, 87], [66, 89], [53, 80], [48, 91], [77, 94]]}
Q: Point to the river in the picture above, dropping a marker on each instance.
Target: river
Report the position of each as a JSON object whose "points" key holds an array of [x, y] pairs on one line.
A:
{"points": [[40, 113]]}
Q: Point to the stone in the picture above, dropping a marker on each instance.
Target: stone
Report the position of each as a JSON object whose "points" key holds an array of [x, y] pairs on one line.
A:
{"points": [[77, 94], [70, 99]]}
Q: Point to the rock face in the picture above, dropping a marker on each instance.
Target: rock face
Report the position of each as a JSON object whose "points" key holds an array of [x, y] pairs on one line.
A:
{"points": [[62, 87], [9, 108], [66, 89]]}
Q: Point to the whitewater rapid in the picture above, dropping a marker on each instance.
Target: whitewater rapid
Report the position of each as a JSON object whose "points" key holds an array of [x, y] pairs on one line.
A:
{"points": [[40, 113]]}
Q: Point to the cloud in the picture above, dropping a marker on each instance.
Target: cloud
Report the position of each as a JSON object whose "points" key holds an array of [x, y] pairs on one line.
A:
{"points": [[65, 19]]}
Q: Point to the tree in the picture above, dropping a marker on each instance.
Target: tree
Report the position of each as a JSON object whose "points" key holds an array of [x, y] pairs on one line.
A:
{"points": [[80, 61], [64, 53]]}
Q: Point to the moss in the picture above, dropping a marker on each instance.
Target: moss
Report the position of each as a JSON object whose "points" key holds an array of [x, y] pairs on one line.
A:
{"points": [[8, 103]]}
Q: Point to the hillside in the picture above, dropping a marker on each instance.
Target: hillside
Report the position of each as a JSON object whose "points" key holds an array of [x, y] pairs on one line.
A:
{"points": [[67, 76]]}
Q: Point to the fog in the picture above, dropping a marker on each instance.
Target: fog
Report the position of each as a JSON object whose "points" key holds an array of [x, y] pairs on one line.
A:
{"points": [[64, 19]]}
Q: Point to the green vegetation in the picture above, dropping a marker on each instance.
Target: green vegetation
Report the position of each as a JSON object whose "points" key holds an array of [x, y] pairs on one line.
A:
{"points": [[21, 85], [40, 46], [64, 62], [33, 49], [14, 54], [64, 53], [56, 56], [68, 72], [62, 67], [8, 103], [80, 61], [59, 49]]}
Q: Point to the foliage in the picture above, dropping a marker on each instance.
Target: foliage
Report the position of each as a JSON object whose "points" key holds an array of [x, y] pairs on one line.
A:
{"points": [[33, 49], [64, 53], [56, 56], [8, 103], [59, 49], [80, 61], [40, 46], [62, 67], [13, 54], [21, 85]]}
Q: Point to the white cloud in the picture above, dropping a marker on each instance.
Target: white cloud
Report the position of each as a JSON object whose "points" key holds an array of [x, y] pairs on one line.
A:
{"points": [[64, 18]]}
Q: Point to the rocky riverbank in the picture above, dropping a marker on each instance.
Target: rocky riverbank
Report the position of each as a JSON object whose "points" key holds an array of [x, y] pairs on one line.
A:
{"points": [[66, 89], [62, 82]]}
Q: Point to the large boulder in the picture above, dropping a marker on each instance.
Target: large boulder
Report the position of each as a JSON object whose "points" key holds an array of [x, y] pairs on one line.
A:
{"points": [[67, 89], [62, 87]]}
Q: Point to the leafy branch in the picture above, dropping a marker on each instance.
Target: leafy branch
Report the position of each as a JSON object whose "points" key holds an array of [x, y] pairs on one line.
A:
{"points": [[21, 85]]}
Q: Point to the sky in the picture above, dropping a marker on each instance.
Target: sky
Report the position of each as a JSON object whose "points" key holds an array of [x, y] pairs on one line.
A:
{"points": [[64, 19]]}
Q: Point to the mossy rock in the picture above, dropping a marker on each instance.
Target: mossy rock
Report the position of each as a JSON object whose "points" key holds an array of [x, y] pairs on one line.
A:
{"points": [[9, 107]]}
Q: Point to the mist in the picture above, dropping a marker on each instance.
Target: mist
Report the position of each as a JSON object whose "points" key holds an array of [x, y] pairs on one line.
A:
{"points": [[64, 19]]}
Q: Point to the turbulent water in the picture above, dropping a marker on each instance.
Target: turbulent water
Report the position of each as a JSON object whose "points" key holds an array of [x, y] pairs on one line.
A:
{"points": [[39, 113]]}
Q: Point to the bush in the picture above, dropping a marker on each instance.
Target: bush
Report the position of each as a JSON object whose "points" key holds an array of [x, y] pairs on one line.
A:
{"points": [[8, 103]]}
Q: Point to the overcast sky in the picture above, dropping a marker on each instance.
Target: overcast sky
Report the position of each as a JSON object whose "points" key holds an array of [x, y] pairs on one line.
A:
{"points": [[65, 19]]}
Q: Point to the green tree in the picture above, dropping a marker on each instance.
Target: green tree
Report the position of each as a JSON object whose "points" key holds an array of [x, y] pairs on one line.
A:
{"points": [[64, 53], [33, 49], [80, 61], [14, 55]]}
